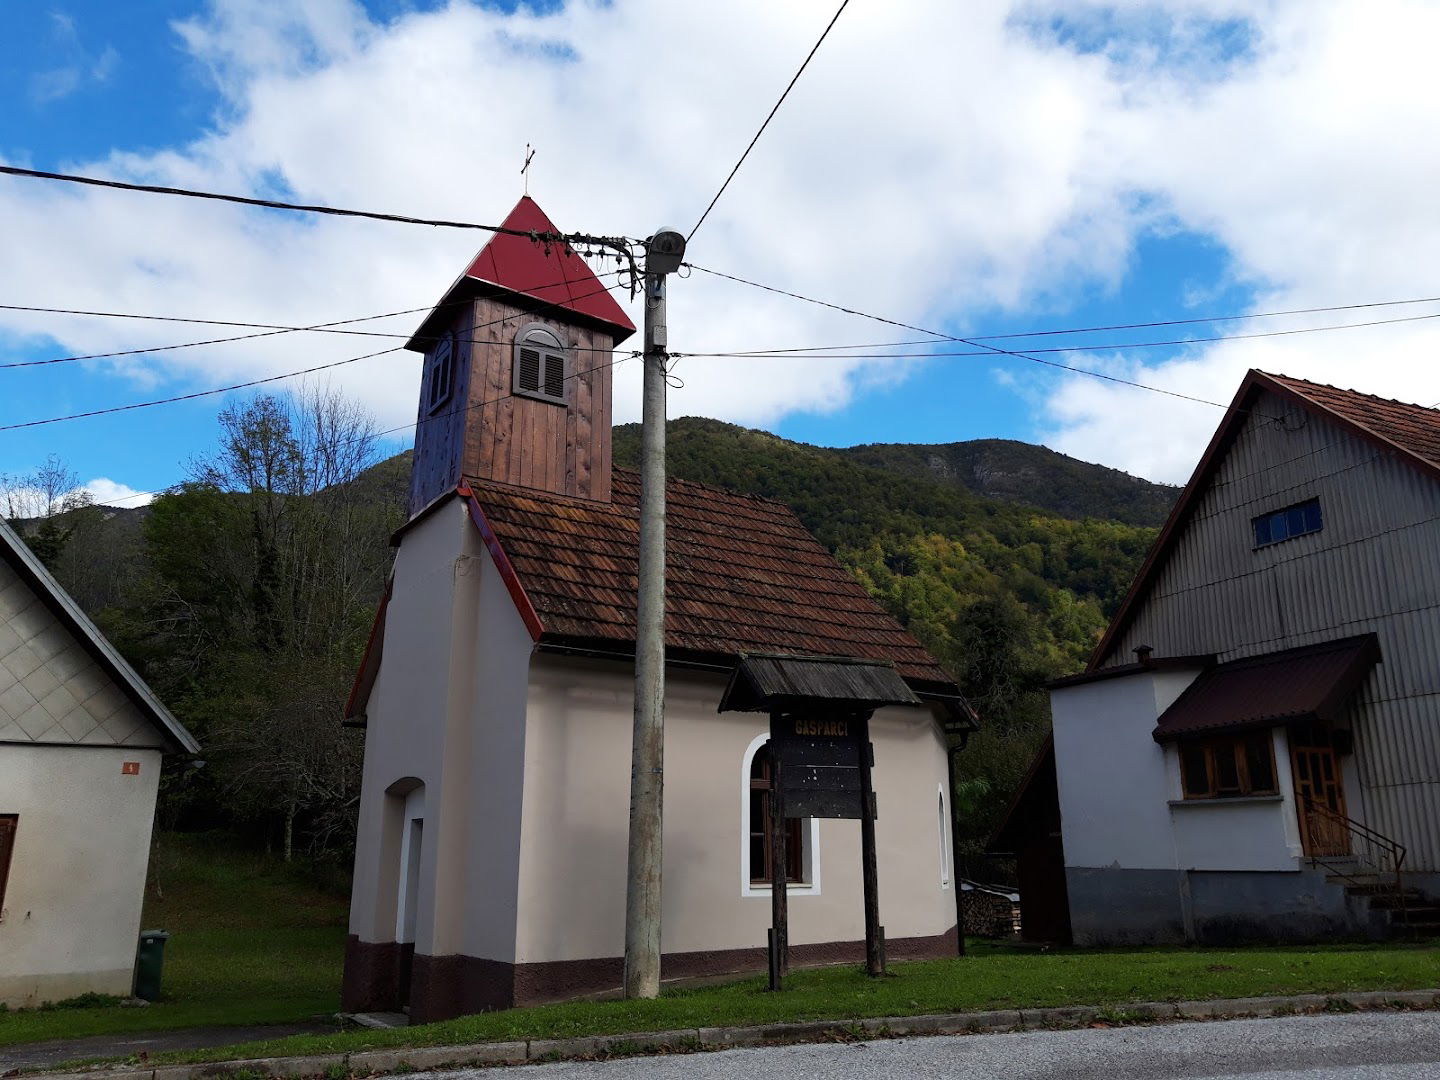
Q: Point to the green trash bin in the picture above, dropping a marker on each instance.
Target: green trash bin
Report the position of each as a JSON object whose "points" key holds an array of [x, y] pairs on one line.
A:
{"points": [[148, 962]]}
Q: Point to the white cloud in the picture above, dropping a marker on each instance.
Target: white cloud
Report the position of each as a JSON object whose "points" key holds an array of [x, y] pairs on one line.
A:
{"points": [[109, 492], [937, 160], [928, 154], [79, 67], [1309, 167]]}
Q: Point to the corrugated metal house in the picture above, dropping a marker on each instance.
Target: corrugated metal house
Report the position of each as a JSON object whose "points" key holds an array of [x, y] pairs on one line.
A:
{"points": [[1254, 750], [498, 689]]}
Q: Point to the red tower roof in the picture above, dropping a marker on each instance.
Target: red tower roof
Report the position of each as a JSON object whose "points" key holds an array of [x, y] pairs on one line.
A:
{"points": [[549, 275]]}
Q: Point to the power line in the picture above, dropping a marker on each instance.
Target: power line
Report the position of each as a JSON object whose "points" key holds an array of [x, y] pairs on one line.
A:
{"points": [[1208, 319], [975, 342], [266, 329], [984, 349], [821, 353], [1062, 331], [336, 327], [272, 204], [244, 385], [612, 362], [833, 20], [196, 394]]}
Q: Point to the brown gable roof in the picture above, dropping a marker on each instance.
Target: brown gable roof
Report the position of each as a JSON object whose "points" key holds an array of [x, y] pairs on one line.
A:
{"points": [[1411, 430], [743, 575]]}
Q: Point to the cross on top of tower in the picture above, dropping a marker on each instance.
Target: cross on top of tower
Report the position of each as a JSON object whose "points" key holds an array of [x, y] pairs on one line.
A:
{"points": [[525, 169]]}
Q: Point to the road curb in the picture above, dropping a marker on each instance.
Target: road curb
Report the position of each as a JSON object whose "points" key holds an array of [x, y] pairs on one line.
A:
{"points": [[380, 1062]]}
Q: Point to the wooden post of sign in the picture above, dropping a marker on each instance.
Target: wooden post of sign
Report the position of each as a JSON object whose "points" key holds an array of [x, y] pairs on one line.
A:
{"points": [[779, 901], [874, 932]]}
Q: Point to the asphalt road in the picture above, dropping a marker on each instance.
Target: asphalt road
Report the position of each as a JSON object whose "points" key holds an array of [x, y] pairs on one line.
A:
{"points": [[1352, 1046], [41, 1055]]}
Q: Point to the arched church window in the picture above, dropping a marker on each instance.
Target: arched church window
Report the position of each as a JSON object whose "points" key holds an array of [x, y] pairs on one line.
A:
{"points": [[761, 785], [541, 369]]}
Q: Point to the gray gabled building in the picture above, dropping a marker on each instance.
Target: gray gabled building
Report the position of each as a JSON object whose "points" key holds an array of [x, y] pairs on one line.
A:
{"points": [[81, 741], [1253, 752]]}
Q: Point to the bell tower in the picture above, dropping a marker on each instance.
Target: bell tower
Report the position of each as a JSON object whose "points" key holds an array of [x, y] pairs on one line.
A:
{"points": [[516, 384]]}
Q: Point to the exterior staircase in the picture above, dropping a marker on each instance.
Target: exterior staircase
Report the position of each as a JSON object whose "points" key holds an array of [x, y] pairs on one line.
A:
{"points": [[1401, 910], [1370, 867]]}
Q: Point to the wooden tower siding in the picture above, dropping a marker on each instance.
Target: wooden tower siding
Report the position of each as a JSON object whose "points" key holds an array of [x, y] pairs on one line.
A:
{"points": [[485, 431], [439, 438]]}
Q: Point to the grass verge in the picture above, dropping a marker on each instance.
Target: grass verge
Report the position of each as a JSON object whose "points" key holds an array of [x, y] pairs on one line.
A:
{"points": [[255, 942], [988, 979]]}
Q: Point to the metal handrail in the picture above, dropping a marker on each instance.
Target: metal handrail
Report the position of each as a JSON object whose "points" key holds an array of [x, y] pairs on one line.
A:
{"points": [[1369, 838]]}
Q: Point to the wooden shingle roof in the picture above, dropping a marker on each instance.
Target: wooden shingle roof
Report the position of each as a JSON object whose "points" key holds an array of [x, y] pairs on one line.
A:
{"points": [[743, 575]]}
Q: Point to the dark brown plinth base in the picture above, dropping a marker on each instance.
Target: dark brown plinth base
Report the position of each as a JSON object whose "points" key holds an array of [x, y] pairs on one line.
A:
{"points": [[442, 987]]}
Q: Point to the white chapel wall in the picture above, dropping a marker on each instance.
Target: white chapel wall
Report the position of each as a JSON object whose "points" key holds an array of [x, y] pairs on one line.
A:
{"points": [[576, 797], [485, 766], [421, 720], [71, 915]]}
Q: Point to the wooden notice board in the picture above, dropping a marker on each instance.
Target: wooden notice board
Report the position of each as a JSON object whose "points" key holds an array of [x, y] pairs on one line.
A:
{"points": [[821, 767], [820, 760]]}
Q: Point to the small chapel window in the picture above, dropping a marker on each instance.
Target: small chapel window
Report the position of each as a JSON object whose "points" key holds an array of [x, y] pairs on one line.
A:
{"points": [[540, 365], [442, 374], [761, 784]]}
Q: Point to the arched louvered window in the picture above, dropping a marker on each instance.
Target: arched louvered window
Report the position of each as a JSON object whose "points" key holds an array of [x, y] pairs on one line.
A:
{"points": [[540, 365]]}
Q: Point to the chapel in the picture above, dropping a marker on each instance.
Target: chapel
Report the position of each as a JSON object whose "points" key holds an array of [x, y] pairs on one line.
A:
{"points": [[496, 691]]}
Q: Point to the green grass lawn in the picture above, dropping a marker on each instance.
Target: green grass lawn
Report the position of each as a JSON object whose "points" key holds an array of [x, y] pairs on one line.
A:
{"points": [[253, 942], [990, 978], [258, 942]]}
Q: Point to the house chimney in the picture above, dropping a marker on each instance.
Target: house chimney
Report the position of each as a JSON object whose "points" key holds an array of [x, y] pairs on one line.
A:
{"points": [[1142, 655]]}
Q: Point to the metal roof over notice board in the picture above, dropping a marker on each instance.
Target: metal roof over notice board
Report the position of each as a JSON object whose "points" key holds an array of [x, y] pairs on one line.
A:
{"points": [[768, 681]]}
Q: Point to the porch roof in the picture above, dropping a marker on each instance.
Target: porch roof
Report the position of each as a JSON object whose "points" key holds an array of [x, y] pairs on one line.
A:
{"points": [[767, 681], [1274, 688]]}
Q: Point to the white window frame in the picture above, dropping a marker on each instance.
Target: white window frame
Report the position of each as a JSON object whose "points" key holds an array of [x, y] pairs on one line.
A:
{"points": [[406, 920], [560, 349], [810, 865]]}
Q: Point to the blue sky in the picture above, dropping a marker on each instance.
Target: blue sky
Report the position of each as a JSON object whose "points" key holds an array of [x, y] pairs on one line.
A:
{"points": [[1078, 166]]}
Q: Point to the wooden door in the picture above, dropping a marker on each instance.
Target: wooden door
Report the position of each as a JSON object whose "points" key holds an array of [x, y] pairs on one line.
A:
{"points": [[1319, 792]]}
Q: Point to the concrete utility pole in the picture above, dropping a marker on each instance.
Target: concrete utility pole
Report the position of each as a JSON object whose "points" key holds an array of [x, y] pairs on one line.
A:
{"points": [[663, 253]]}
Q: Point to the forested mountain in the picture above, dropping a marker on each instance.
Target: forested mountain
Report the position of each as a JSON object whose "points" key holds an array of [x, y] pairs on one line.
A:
{"points": [[1026, 473], [245, 595]]}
